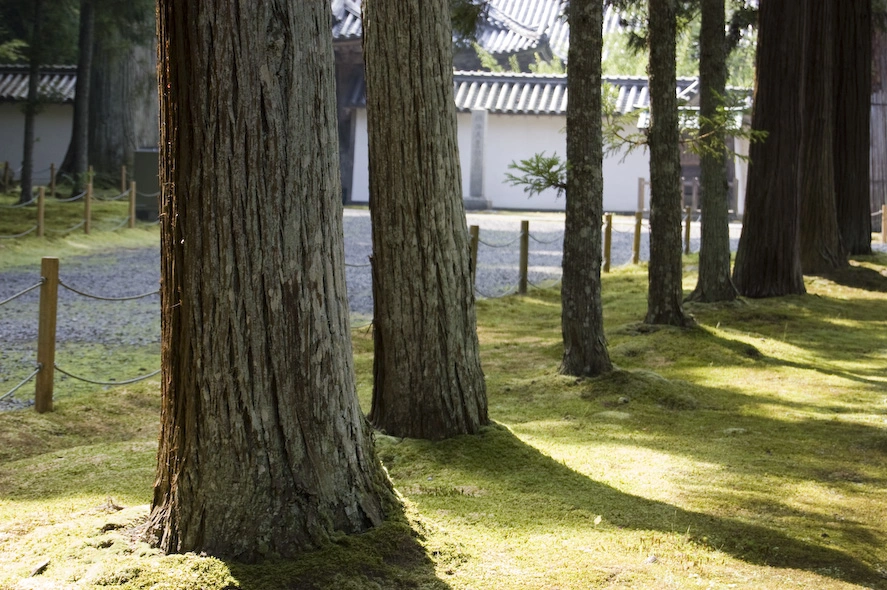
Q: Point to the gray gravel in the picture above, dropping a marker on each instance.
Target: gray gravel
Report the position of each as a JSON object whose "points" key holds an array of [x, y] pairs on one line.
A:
{"points": [[132, 272]]}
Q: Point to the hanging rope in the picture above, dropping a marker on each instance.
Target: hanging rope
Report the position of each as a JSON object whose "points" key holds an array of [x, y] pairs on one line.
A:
{"points": [[64, 231], [22, 384], [93, 382], [20, 293], [510, 291], [559, 237], [148, 195], [100, 298], [505, 245], [21, 235], [19, 205], [73, 198], [115, 197]]}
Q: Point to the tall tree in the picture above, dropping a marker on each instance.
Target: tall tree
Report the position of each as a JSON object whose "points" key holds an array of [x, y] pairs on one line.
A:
{"points": [[123, 97], [820, 238], [768, 259], [263, 448], [582, 318], [714, 283], [35, 58], [76, 160], [665, 273], [428, 381], [852, 95]]}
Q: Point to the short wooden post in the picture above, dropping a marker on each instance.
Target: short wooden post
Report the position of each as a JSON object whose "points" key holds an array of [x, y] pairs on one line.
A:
{"points": [[87, 210], [132, 204], [41, 210], [49, 270], [52, 180], [884, 224], [608, 240], [642, 188], [688, 211], [524, 256], [636, 246], [474, 232], [123, 178]]}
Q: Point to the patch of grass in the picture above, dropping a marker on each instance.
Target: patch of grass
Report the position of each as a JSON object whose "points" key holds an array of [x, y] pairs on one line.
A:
{"points": [[749, 451], [60, 240]]}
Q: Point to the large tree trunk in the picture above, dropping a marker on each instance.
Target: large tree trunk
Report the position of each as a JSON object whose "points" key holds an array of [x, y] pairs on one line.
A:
{"points": [[76, 161], [821, 247], [852, 92], [428, 381], [34, 59], [665, 273], [714, 282], [582, 318], [123, 109], [768, 262], [263, 448]]}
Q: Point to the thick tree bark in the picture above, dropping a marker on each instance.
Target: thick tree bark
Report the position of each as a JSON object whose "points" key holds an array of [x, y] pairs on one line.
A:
{"points": [[263, 448], [76, 161], [34, 60], [582, 318], [768, 261], [665, 288], [428, 381], [714, 282], [123, 105], [852, 92], [821, 246]]}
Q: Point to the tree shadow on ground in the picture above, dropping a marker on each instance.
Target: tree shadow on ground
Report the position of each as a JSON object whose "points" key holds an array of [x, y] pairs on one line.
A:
{"points": [[858, 277], [543, 484]]}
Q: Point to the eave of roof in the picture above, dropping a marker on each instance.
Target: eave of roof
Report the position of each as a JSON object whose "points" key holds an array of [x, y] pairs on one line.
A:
{"points": [[56, 83]]}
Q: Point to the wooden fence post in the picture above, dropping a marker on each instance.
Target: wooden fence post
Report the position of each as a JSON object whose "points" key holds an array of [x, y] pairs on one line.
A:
{"points": [[49, 270], [608, 240], [474, 231], [87, 212], [524, 256], [884, 224], [52, 180], [123, 178], [642, 186], [688, 211], [132, 204], [636, 246], [41, 210]]}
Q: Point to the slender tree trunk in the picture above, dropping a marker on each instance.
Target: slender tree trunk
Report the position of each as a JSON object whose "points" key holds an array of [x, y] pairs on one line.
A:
{"points": [[852, 93], [76, 160], [31, 106], [715, 283], [428, 381], [263, 449], [665, 288], [821, 246], [123, 105], [768, 262], [582, 318]]}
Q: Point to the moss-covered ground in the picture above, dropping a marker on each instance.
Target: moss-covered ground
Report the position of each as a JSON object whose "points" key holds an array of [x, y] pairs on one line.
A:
{"points": [[747, 452]]}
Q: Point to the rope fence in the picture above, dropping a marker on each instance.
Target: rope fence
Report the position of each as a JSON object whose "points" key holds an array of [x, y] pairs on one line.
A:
{"points": [[87, 196], [44, 374]]}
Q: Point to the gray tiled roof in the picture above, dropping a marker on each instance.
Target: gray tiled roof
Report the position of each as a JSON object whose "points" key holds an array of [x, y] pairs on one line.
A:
{"points": [[56, 82], [537, 94], [346, 19]]}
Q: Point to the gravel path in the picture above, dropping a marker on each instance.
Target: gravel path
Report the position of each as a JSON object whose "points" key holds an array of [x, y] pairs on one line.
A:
{"points": [[133, 272]]}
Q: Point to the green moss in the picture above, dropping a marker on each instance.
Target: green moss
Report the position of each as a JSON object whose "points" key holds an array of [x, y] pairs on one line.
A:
{"points": [[749, 451]]}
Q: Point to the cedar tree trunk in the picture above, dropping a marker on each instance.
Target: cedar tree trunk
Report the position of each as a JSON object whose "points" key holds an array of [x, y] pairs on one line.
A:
{"points": [[665, 289], [76, 161], [263, 448], [714, 282], [768, 262], [34, 58], [428, 381], [852, 91], [821, 247], [582, 318]]}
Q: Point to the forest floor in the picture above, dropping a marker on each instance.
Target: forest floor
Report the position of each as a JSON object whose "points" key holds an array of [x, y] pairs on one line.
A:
{"points": [[747, 452]]}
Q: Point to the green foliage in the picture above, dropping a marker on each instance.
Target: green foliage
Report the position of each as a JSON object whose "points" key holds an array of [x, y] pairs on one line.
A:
{"points": [[555, 66], [539, 173], [487, 61], [12, 51], [465, 15]]}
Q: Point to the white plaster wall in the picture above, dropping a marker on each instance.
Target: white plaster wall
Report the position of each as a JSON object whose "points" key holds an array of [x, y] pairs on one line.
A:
{"points": [[511, 138], [52, 133]]}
